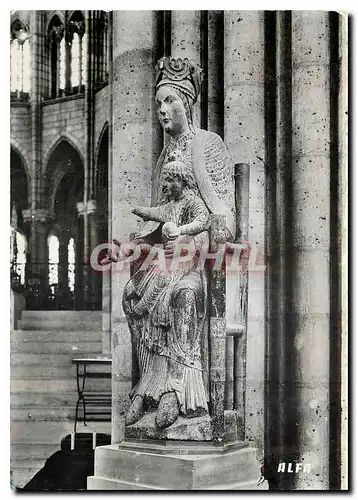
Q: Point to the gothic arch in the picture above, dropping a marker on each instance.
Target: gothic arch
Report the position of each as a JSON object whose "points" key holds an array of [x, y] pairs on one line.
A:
{"points": [[16, 17], [20, 186], [72, 141], [53, 14], [57, 167], [17, 149], [72, 12], [104, 129]]}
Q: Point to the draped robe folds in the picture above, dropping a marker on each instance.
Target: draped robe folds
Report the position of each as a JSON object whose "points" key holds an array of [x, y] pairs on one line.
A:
{"points": [[168, 334]]}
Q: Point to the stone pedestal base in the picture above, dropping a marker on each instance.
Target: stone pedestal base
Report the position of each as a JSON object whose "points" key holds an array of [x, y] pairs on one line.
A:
{"points": [[175, 465]]}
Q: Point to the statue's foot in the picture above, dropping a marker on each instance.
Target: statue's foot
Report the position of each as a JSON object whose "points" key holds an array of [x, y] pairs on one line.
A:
{"points": [[168, 410], [135, 411]]}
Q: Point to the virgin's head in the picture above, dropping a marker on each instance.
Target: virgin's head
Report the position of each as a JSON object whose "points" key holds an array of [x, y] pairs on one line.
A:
{"points": [[174, 110], [177, 86]]}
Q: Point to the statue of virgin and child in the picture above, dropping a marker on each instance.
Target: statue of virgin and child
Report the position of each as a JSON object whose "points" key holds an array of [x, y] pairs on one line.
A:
{"points": [[167, 306]]}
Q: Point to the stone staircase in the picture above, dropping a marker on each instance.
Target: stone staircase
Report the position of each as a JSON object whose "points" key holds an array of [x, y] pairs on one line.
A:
{"points": [[43, 384]]}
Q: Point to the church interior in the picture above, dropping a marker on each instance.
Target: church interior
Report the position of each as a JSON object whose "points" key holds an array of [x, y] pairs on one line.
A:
{"points": [[59, 213], [85, 139]]}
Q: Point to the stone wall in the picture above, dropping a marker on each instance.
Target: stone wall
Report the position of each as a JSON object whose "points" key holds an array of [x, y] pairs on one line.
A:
{"points": [[63, 118], [244, 135], [20, 131], [136, 147]]}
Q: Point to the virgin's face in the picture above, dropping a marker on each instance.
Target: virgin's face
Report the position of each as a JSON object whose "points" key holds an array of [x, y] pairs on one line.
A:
{"points": [[171, 111]]}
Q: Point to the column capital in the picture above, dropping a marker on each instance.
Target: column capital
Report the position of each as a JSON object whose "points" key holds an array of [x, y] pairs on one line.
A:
{"points": [[38, 214], [89, 207]]}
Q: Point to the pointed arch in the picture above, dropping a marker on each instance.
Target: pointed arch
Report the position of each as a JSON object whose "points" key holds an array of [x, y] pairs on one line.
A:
{"points": [[17, 23], [20, 59], [104, 129], [20, 188], [16, 148], [55, 35], [54, 14], [72, 141], [73, 13], [63, 158]]}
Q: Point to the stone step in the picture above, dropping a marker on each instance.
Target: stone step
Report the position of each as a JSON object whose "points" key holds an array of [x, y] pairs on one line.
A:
{"points": [[59, 385], [63, 324], [41, 399], [26, 451], [51, 432], [21, 471], [40, 432], [56, 347], [42, 413], [40, 371], [62, 315], [52, 359], [32, 443], [55, 336]]}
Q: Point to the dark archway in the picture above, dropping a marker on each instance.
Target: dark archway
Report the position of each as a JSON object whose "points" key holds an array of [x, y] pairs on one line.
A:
{"points": [[19, 186], [64, 183], [19, 201]]}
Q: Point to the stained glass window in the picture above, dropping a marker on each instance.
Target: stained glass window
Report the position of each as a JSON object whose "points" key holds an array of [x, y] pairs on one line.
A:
{"points": [[53, 253], [75, 60], [71, 264], [20, 65], [62, 64]]}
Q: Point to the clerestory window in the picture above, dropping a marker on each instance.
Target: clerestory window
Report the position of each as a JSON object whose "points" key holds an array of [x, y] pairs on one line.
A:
{"points": [[57, 52], [20, 61], [77, 40]]}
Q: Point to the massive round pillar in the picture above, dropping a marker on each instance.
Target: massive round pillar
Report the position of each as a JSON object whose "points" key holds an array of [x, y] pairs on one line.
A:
{"points": [[185, 41], [136, 147], [244, 136], [215, 70], [310, 251]]}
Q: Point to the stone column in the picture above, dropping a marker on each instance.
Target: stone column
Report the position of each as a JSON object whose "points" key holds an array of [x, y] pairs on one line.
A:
{"points": [[106, 277], [36, 217], [310, 252], [89, 155], [39, 221], [186, 42], [79, 273], [244, 136], [81, 254], [87, 211], [343, 236], [94, 278], [301, 249], [68, 36], [136, 147], [215, 76]]}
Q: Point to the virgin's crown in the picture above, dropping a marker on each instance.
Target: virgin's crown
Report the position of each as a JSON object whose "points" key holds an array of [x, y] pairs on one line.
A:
{"points": [[182, 73]]}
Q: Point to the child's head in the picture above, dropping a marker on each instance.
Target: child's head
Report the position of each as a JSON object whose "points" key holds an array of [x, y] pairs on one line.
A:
{"points": [[176, 178]]}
